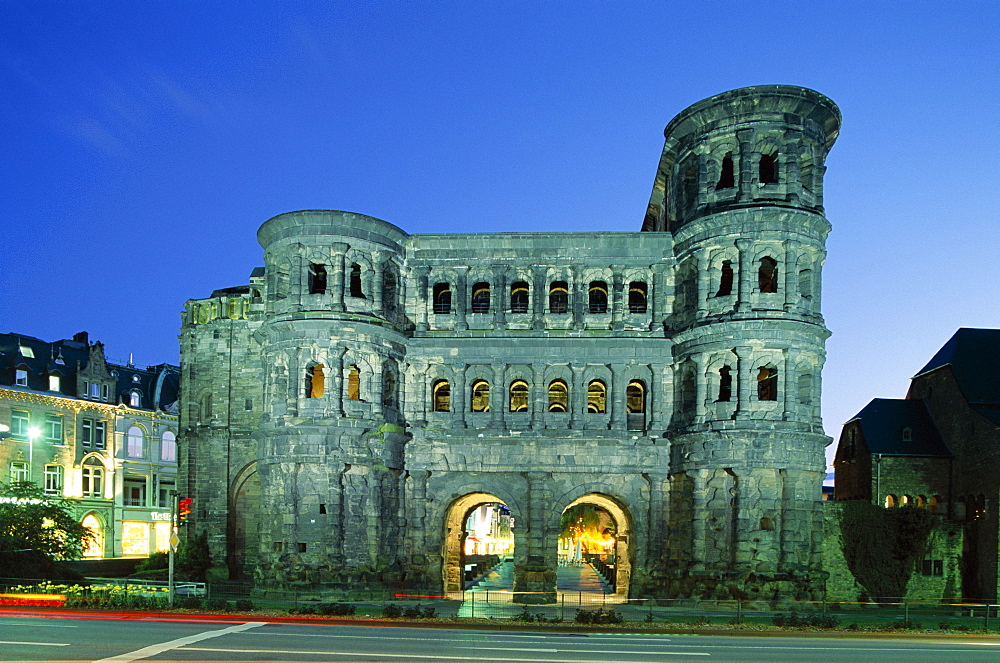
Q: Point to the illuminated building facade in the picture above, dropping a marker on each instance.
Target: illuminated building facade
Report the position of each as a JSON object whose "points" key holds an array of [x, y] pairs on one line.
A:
{"points": [[345, 411], [100, 433]]}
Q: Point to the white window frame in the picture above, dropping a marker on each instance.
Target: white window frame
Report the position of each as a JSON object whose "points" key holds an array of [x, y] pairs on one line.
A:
{"points": [[134, 442], [93, 481], [54, 431], [55, 383], [19, 471], [20, 425], [168, 447], [20, 377], [86, 433], [53, 479]]}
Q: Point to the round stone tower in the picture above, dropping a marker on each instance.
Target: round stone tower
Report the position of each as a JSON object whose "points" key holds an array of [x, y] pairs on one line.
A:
{"points": [[330, 440], [740, 186]]}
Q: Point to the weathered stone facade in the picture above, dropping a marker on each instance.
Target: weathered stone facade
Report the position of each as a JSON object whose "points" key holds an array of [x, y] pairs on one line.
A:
{"points": [[347, 408]]}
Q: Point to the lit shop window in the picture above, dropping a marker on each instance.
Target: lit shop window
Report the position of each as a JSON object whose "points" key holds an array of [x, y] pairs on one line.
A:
{"points": [[135, 539]]}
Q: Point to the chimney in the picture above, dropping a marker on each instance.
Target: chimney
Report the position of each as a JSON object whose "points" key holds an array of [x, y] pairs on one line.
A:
{"points": [[82, 337]]}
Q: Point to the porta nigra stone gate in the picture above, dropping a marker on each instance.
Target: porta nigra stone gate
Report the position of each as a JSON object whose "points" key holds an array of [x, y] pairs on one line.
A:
{"points": [[347, 409]]}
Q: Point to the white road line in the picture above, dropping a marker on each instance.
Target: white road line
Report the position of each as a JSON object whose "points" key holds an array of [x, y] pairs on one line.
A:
{"points": [[436, 657], [153, 650], [35, 624], [39, 644]]}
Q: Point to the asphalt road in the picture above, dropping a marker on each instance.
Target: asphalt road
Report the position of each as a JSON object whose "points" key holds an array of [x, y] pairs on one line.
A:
{"points": [[27, 638]]}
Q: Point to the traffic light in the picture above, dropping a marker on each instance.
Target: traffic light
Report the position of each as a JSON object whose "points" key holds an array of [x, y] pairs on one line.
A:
{"points": [[184, 510]]}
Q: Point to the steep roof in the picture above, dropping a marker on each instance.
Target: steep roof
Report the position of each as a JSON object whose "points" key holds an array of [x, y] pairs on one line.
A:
{"points": [[882, 424], [974, 358]]}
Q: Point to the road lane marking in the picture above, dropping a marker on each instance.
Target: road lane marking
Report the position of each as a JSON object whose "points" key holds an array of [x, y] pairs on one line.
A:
{"points": [[39, 644], [154, 650], [435, 657]]}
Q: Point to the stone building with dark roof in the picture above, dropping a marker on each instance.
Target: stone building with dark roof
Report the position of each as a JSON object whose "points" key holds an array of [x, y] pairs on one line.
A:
{"points": [[103, 434], [939, 448]]}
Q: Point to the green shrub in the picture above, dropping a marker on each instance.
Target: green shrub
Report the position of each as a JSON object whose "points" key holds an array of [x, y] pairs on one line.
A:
{"points": [[392, 611], [339, 609], [598, 616], [218, 604], [189, 602], [245, 605]]}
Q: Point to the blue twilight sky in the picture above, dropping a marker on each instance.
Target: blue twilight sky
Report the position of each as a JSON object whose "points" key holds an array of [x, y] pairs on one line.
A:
{"points": [[144, 142]]}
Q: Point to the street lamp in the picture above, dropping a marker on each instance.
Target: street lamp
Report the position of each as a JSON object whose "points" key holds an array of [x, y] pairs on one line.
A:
{"points": [[33, 432]]}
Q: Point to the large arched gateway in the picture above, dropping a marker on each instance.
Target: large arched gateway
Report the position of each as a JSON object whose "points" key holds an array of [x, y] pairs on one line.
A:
{"points": [[384, 385]]}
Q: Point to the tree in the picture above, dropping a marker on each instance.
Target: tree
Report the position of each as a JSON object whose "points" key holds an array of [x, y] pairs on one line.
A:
{"points": [[35, 530]]}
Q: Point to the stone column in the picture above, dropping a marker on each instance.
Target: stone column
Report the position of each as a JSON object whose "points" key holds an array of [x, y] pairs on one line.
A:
{"points": [[746, 274], [421, 298], [497, 392], [616, 397], [700, 388], [747, 177], [338, 267], [377, 282], [419, 563], [657, 296], [459, 397], [460, 297], [699, 513], [742, 381], [501, 293], [702, 283], [536, 396], [577, 398], [792, 296], [578, 294], [617, 298], [538, 296], [657, 519], [790, 394], [535, 581]]}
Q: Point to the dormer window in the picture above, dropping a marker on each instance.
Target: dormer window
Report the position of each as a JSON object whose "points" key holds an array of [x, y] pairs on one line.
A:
{"points": [[55, 383], [20, 377], [27, 352], [59, 358], [135, 378]]}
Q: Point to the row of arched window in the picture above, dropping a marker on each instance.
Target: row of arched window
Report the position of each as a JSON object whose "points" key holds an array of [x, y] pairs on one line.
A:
{"points": [[519, 394], [559, 297], [919, 501]]}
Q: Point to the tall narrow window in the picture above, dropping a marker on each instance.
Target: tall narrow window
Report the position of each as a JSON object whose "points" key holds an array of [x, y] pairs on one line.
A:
{"points": [[725, 384], [558, 297], [442, 298], [20, 377], [315, 381], [480, 396], [768, 169], [390, 389], [53, 479], [637, 297], [558, 396], [598, 297], [19, 472], [518, 396], [168, 447], [134, 442], [93, 478], [317, 279], [86, 433], [389, 292], [767, 274], [805, 283], [519, 297], [727, 179], [442, 396], [353, 383], [597, 397], [635, 397], [725, 279], [767, 384], [134, 399], [134, 491], [99, 436], [805, 388], [19, 424], [481, 298], [355, 281]]}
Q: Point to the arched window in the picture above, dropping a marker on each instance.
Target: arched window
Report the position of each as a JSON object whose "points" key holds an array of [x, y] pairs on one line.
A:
{"points": [[933, 503], [904, 500], [725, 384], [134, 442], [442, 298], [134, 399], [480, 396], [518, 396], [920, 501], [317, 279], [519, 297], [355, 281], [95, 542], [442, 396], [635, 397], [481, 298], [767, 275], [890, 501], [598, 297], [767, 384], [727, 178], [353, 383], [768, 169], [168, 447], [558, 297], [725, 279], [558, 396], [315, 381], [597, 397], [637, 297]]}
